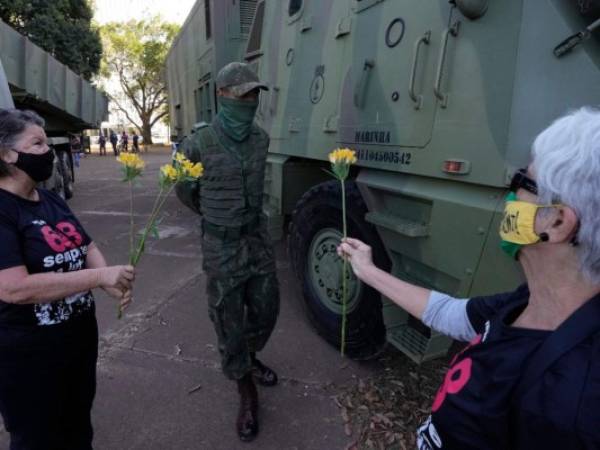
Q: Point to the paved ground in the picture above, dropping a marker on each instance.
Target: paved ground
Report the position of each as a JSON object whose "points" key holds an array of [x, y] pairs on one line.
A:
{"points": [[159, 383]]}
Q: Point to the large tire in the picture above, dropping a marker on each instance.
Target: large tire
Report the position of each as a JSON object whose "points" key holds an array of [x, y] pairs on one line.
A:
{"points": [[66, 173], [315, 231]]}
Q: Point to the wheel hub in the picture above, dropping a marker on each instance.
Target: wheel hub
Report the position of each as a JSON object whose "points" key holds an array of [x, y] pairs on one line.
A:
{"points": [[325, 270]]}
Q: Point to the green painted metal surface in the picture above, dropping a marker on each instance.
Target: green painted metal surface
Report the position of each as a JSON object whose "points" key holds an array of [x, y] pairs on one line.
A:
{"points": [[38, 81]]}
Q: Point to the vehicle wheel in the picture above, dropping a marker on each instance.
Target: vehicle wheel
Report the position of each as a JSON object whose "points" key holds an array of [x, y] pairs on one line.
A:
{"points": [[66, 172], [315, 232]]}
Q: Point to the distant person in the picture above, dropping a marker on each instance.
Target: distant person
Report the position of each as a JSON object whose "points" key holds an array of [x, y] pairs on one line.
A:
{"points": [[102, 142], [124, 141], [48, 328], [76, 149], [114, 141], [136, 140]]}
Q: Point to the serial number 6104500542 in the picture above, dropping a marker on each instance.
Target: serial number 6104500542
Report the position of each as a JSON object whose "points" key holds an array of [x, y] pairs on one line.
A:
{"points": [[384, 156]]}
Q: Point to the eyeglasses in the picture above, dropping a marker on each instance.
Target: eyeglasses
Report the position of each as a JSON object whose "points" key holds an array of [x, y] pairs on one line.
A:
{"points": [[520, 180]]}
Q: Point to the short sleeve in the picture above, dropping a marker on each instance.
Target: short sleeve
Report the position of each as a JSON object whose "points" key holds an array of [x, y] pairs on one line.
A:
{"points": [[11, 254], [65, 209], [482, 309]]}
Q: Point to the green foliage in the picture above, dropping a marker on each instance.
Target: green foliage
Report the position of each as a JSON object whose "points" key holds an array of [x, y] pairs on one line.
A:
{"points": [[135, 54], [61, 27]]}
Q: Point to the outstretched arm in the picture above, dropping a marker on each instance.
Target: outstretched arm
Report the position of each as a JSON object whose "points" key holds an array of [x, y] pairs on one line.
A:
{"points": [[444, 313], [408, 296]]}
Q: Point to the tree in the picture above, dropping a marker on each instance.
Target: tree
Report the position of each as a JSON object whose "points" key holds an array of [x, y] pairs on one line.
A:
{"points": [[63, 28], [134, 56]]}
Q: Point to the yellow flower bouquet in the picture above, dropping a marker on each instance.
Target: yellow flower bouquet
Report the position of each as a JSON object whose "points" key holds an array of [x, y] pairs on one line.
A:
{"points": [[133, 166]]}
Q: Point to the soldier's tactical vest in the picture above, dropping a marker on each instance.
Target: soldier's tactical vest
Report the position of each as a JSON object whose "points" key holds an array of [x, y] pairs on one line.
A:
{"points": [[231, 189]]}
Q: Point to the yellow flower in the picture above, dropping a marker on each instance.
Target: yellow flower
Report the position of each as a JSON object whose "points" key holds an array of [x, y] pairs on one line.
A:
{"points": [[169, 172], [131, 160], [343, 156], [194, 170], [180, 158]]}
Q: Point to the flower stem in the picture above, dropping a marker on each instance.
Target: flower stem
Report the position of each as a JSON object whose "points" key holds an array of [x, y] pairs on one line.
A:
{"points": [[344, 270], [131, 238], [131, 222], [158, 204]]}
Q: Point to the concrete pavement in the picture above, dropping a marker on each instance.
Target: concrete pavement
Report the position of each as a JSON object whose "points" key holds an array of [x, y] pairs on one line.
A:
{"points": [[159, 382]]}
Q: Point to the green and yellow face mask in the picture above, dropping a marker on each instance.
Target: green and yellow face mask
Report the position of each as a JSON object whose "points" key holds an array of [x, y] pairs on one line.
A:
{"points": [[518, 224]]}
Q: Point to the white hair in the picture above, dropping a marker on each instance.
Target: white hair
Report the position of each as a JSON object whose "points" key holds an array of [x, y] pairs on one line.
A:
{"points": [[566, 162]]}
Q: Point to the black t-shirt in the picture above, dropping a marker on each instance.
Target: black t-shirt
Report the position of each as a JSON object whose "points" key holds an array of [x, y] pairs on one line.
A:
{"points": [[43, 236], [475, 407]]}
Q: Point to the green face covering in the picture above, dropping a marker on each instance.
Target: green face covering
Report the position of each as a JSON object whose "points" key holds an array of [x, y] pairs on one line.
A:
{"points": [[237, 117], [511, 249]]}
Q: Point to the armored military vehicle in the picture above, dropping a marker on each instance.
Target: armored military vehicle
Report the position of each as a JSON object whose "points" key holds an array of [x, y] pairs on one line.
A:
{"points": [[33, 79], [441, 101]]}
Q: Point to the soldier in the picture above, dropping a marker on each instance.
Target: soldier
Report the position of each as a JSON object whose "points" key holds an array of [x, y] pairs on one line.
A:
{"points": [[242, 287]]}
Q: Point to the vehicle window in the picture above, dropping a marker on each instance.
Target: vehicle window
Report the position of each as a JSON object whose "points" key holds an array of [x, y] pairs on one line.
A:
{"points": [[295, 6], [255, 39], [207, 20]]}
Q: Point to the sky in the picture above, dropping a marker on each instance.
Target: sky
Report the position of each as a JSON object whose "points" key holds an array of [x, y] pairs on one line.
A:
{"points": [[124, 10]]}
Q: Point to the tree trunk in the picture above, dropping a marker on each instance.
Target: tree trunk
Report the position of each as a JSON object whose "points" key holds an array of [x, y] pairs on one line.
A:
{"points": [[147, 133]]}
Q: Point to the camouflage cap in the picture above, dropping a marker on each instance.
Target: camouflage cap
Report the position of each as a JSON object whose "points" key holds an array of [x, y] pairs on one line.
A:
{"points": [[239, 78]]}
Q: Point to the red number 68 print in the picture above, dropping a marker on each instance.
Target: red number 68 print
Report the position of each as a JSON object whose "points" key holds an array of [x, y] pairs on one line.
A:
{"points": [[65, 237]]}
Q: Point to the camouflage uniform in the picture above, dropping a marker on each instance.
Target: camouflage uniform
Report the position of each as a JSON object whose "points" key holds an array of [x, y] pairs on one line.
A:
{"points": [[242, 287]]}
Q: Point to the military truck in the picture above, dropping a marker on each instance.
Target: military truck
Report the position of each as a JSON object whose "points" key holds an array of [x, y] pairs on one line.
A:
{"points": [[35, 80], [440, 99]]}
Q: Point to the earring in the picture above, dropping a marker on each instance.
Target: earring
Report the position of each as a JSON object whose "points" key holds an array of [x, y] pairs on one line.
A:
{"points": [[544, 237]]}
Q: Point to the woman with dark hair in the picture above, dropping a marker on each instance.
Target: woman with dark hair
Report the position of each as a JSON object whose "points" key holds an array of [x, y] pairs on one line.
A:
{"points": [[530, 378], [48, 330]]}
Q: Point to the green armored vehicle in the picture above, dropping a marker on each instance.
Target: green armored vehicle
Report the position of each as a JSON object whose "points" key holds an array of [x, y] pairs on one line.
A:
{"points": [[34, 80], [441, 101]]}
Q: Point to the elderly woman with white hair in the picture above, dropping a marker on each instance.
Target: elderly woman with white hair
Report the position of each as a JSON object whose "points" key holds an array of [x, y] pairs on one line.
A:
{"points": [[530, 377]]}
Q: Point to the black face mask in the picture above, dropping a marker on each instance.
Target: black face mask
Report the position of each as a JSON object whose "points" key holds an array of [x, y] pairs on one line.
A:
{"points": [[38, 167]]}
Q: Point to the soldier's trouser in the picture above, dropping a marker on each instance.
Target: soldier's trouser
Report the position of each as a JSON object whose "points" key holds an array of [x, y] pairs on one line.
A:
{"points": [[244, 311]]}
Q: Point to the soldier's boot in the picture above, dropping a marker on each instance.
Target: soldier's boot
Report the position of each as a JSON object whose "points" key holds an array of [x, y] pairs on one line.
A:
{"points": [[264, 375], [247, 420]]}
